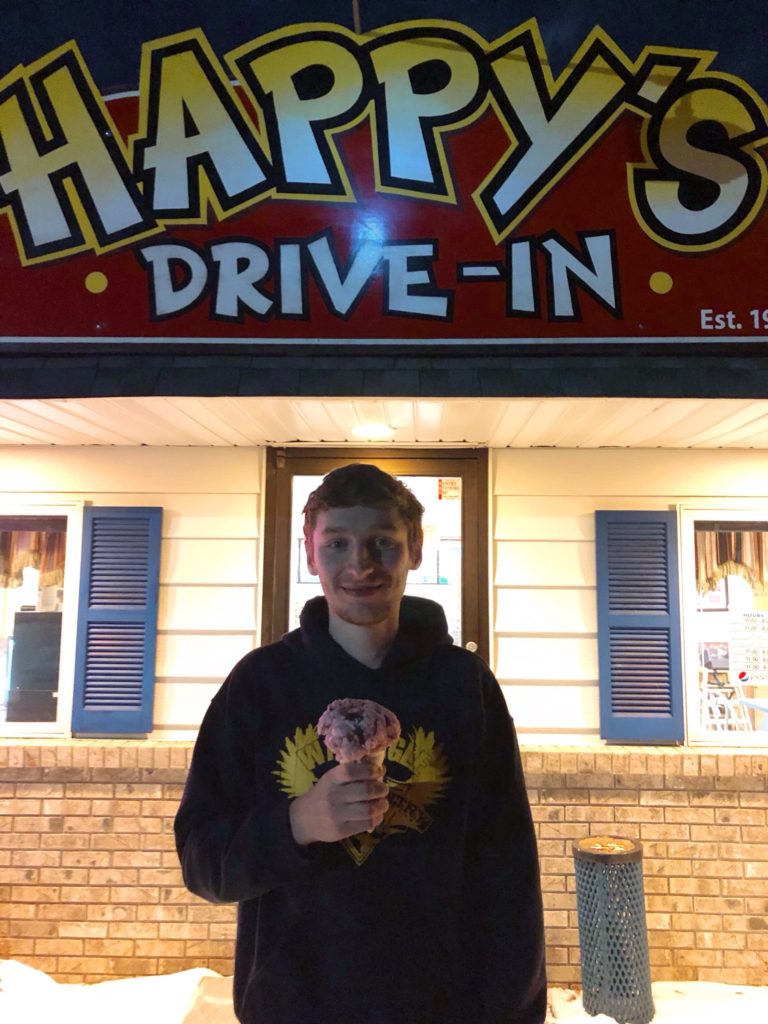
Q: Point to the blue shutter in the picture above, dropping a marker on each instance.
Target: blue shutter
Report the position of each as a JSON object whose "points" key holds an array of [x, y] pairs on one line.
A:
{"points": [[638, 623], [117, 621]]}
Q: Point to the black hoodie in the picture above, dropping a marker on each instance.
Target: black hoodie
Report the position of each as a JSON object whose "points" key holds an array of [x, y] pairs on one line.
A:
{"points": [[436, 917]]}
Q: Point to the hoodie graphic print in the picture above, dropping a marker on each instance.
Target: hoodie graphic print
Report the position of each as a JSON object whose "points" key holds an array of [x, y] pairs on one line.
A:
{"points": [[416, 773]]}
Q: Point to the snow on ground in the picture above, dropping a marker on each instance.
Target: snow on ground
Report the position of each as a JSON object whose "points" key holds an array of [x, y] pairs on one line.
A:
{"points": [[676, 1002], [28, 996]]}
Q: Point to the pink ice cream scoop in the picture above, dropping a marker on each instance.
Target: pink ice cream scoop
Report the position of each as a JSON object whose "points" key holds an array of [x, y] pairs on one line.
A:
{"points": [[358, 729]]}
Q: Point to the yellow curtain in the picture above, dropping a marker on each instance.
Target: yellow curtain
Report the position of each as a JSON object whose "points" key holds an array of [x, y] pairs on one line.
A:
{"points": [[721, 553], [20, 549], [52, 559]]}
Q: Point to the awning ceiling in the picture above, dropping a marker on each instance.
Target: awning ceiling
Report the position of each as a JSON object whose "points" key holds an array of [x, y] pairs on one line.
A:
{"points": [[488, 422]]}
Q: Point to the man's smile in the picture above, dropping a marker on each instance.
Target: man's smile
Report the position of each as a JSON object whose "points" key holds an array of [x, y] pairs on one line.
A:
{"points": [[363, 591]]}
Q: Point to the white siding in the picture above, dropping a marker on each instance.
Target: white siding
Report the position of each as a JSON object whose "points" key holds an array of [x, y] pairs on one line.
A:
{"points": [[225, 607], [194, 657], [543, 563], [528, 610], [544, 647], [209, 567], [563, 659], [209, 560]]}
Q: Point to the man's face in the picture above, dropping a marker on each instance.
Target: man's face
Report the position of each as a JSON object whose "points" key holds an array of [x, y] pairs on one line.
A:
{"points": [[362, 558]]}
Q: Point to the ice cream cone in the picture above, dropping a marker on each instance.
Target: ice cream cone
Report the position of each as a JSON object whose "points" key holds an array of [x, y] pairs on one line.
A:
{"points": [[377, 758], [352, 727]]}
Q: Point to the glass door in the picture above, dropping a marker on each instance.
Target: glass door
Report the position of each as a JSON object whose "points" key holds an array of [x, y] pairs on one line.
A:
{"points": [[452, 488]]}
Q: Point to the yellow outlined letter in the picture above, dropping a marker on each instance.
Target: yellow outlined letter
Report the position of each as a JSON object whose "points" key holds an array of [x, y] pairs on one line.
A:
{"points": [[429, 83], [196, 137], [704, 183], [308, 82], [63, 171], [553, 124]]}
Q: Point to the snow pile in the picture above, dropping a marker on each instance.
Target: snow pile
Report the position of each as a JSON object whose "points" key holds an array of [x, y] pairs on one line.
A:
{"points": [[28, 996], [676, 1002]]}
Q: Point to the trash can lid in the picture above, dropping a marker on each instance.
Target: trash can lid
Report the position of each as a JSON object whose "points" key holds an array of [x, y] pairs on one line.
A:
{"points": [[607, 848]]}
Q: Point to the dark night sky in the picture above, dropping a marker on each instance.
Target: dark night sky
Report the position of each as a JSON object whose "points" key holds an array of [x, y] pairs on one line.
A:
{"points": [[110, 32]]}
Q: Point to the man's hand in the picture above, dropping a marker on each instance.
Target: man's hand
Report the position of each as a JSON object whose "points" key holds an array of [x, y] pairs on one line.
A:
{"points": [[348, 799]]}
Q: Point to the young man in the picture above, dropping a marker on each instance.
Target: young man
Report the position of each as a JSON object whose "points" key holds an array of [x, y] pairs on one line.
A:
{"points": [[403, 895]]}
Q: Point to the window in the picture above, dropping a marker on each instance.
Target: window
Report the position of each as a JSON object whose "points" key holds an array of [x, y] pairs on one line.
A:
{"points": [[725, 600], [39, 570], [79, 619]]}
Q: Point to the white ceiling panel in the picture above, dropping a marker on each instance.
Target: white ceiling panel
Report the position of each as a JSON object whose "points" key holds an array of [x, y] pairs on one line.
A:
{"points": [[113, 424], [576, 423], [208, 420], [428, 421], [267, 418], [50, 423], [736, 427], [696, 427], [319, 421], [400, 415], [649, 423], [12, 431], [205, 425], [494, 422], [513, 414], [465, 419], [537, 427]]}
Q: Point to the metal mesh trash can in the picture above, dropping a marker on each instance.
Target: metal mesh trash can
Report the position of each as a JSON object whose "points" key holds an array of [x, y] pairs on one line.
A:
{"points": [[615, 973]]}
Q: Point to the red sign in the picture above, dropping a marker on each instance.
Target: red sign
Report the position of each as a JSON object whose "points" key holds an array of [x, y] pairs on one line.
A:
{"points": [[416, 183]]}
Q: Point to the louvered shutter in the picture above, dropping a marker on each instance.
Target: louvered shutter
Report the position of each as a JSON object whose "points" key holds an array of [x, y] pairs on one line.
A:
{"points": [[117, 621], [638, 621]]}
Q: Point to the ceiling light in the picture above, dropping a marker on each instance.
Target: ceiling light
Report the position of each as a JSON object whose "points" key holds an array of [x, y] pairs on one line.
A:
{"points": [[373, 432]]}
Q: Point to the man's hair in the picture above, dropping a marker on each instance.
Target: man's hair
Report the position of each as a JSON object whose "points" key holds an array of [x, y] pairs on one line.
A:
{"points": [[363, 484]]}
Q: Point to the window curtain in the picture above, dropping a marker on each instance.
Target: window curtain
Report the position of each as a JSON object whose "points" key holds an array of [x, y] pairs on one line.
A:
{"points": [[22, 549], [721, 553]]}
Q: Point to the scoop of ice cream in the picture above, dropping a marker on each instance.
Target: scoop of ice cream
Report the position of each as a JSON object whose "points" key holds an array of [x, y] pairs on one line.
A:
{"points": [[354, 729]]}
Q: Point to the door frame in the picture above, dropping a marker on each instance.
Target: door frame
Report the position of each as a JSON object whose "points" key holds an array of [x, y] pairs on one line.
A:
{"points": [[471, 464]]}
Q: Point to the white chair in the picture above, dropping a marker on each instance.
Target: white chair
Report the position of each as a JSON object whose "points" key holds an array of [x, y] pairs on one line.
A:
{"points": [[721, 707]]}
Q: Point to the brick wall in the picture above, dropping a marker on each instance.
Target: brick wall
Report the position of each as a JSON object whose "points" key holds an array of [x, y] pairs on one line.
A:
{"points": [[701, 818], [90, 886], [89, 881]]}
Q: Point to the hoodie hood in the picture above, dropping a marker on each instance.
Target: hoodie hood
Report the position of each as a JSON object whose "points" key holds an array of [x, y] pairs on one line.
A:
{"points": [[422, 629]]}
